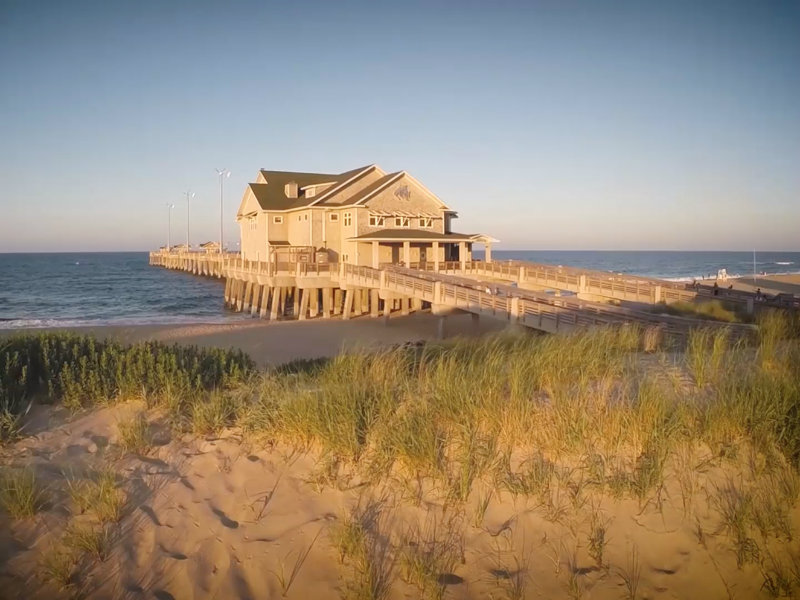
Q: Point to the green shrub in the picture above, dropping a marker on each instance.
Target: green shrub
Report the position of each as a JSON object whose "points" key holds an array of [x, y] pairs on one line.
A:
{"points": [[81, 371]]}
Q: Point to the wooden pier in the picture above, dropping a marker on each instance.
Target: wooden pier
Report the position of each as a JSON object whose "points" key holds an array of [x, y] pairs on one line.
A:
{"points": [[543, 297]]}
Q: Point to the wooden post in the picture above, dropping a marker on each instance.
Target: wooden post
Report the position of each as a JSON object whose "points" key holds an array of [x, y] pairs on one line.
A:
{"points": [[264, 301], [357, 301], [440, 327], [375, 255], [228, 292], [296, 302], [405, 306], [375, 298], [256, 296], [303, 305], [416, 304], [436, 257], [327, 297], [387, 308], [314, 292], [348, 304], [240, 295], [407, 254], [248, 292], [337, 302], [276, 298]]}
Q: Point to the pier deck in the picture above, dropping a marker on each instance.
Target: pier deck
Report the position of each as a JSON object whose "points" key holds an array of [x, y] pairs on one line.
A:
{"points": [[543, 297]]}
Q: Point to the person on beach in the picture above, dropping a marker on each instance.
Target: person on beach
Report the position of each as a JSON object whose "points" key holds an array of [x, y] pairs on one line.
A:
{"points": [[716, 289]]}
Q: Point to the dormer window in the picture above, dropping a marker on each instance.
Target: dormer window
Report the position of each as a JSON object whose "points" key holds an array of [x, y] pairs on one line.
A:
{"points": [[402, 222], [376, 221], [425, 222], [291, 189]]}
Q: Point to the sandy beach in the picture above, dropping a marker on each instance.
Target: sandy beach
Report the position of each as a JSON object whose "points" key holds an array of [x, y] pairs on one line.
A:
{"points": [[771, 284], [274, 343]]}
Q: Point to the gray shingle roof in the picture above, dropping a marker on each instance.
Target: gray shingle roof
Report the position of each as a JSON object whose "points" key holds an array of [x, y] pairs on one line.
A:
{"points": [[272, 195]]}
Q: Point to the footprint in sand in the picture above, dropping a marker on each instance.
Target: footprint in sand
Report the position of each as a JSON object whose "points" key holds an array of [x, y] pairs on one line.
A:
{"points": [[224, 519], [209, 565], [172, 554], [150, 513]]}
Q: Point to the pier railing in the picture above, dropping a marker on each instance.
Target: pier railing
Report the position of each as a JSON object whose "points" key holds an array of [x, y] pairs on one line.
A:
{"points": [[515, 290]]}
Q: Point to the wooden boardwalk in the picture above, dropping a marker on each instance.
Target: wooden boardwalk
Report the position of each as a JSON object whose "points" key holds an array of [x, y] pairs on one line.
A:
{"points": [[543, 297]]}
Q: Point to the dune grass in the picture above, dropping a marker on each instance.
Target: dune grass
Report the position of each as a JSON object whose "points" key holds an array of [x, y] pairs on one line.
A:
{"points": [[712, 310], [80, 371], [554, 419], [21, 496], [99, 494], [134, 434]]}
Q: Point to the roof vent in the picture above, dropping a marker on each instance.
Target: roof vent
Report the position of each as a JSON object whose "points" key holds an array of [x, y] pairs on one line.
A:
{"points": [[291, 189]]}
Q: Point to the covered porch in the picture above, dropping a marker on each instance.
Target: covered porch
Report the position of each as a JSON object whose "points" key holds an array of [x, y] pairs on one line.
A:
{"points": [[418, 248]]}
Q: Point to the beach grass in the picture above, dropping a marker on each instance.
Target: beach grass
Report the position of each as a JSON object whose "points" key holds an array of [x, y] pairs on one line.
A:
{"points": [[99, 494], [712, 310], [134, 434], [21, 495], [559, 421]]}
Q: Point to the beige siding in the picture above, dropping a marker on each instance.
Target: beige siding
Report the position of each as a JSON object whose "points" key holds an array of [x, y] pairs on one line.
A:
{"points": [[278, 232], [333, 234], [254, 237]]}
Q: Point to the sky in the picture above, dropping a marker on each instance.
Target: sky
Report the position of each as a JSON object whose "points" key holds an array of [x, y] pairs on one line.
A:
{"points": [[548, 125]]}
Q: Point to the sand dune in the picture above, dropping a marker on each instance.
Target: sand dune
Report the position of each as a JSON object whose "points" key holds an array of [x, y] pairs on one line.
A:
{"points": [[226, 518]]}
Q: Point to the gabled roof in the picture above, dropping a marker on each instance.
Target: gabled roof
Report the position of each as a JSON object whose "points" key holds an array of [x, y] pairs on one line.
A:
{"points": [[370, 189], [385, 181], [272, 194]]}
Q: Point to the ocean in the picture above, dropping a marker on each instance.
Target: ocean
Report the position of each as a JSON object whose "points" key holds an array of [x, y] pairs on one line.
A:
{"points": [[120, 288]]}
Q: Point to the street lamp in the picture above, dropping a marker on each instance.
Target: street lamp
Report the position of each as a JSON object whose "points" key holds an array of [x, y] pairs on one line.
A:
{"points": [[223, 174], [189, 196], [169, 225]]}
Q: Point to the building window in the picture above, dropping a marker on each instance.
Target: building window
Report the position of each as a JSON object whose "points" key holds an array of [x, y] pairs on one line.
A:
{"points": [[376, 221], [402, 222], [334, 217], [277, 219], [425, 222], [348, 219]]}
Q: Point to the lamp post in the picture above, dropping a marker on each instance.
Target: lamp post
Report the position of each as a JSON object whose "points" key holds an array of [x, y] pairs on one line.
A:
{"points": [[169, 225], [189, 196], [223, 174]]}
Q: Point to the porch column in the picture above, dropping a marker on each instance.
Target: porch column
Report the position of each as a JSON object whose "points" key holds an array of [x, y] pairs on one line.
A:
{"points": [[488, 256], [375, 255], [462, 255], [407, 254], [436, 257]]}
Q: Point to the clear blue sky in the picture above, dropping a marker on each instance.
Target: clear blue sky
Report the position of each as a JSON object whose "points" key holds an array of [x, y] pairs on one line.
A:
{"points": [[550, 125]]}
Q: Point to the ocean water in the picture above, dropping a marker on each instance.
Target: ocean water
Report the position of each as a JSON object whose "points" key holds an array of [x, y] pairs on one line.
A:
{"points": [[675, 266], [49, 290]]}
